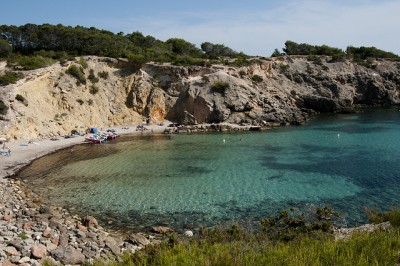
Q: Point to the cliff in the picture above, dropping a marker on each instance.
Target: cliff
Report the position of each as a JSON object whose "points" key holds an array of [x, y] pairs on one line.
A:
{"points": [[273, 91]]}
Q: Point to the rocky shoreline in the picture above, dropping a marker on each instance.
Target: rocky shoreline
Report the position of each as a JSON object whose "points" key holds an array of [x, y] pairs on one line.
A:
{"points": [[31, 231]]}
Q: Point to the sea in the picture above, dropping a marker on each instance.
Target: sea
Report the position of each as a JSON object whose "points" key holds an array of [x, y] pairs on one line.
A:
{"points": [[187, 181]]}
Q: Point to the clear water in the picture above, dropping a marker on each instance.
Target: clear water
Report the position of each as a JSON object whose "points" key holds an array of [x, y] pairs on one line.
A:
{"points": [[184, 181]]}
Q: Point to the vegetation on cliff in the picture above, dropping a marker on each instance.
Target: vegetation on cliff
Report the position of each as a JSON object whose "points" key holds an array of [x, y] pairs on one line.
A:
{"points": [[33, 46], [354, 53]]}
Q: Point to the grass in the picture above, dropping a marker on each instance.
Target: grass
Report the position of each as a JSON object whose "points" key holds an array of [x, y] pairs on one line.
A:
{"points": [[236, 245], [378, 248]]}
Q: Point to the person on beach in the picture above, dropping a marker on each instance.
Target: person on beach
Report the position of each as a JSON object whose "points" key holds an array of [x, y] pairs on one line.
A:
{"points": [[5, 147]]}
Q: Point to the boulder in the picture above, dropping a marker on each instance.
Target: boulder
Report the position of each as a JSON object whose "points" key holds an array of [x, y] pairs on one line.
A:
{"points": [[39, 251], [161, 229], [89, 221], [68, 255], [139, 239]]}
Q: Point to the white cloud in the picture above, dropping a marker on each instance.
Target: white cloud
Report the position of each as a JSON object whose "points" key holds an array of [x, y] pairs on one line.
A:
{"points": [[358, 23]]}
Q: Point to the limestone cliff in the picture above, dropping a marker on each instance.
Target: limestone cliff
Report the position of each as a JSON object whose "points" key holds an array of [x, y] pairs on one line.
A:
{"points": [[279, 90]]}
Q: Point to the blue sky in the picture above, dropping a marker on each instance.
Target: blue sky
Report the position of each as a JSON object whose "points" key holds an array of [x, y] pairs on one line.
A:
{"points": [[255, 27]]}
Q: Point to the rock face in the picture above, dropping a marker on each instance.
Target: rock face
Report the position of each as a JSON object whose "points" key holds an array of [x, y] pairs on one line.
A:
{"points": [[283, 90]]}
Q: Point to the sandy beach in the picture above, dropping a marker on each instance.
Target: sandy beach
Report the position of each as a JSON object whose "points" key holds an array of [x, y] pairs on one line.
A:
{"points": [[24, 152]]}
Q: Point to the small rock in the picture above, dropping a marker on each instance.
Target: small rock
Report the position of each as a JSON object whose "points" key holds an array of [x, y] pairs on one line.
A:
{"points": [[12, 251], [68, 255], [139, 239], [81, 227], [24, 260], [161, 229], [47, 232], [39, 251], [8, 263], [89, 221], [188, 233], [7, 218], [26, 226]]}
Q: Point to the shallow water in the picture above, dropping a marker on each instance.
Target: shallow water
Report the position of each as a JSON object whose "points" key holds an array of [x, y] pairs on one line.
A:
{"points": [[185, 181]]}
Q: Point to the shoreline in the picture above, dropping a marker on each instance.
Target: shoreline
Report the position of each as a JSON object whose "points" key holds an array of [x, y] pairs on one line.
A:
{"points": [[31, 231]]}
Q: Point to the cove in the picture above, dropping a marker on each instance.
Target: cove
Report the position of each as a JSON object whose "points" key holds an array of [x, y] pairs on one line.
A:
{"points": [[347, 161]]}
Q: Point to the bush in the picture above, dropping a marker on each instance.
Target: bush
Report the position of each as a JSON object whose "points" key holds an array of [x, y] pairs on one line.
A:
{"points": [[21, 99], [103, 74], [93, 89], [83, 63], [290, 224], [219, 86], [92, 77], [283, 68], [10, 78], [256, 78], [30, 62], [80, 101], [3, 108], [77, 73], [376, 217], [90, 101]]}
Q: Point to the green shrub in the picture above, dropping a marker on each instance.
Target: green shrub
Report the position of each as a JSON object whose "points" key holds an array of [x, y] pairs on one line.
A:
{"points": [[93, 89], [78, 73], [376, 217], [23, 235], [10, 78], [30, 62], [83, 63], [291, 224], [283, 68], [220, 86], [256, 78], [80, 101], [242, 72], [103, 74], [3, 108], [92, 77], [90, 101], [21, 99]]}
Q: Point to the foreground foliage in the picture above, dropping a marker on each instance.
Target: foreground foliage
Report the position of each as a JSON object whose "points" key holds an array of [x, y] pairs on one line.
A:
{"points": [[378, 248], [313, 244]]}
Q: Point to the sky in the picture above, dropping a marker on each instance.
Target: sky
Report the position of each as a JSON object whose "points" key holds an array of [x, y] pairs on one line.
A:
{"points": [[255, 27]]}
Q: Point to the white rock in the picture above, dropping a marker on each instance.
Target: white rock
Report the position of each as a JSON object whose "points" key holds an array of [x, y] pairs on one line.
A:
{"points": [[188, 233]]}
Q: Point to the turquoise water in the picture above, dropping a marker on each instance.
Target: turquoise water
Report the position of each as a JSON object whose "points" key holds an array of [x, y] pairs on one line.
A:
{"points": [[185, 181]]}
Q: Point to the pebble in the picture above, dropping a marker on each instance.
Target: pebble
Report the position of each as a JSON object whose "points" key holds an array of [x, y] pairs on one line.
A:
{"points": [[31, 231]]}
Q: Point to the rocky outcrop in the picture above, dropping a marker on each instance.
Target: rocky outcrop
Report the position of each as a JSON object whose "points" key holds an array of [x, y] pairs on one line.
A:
{"points": [[282, 90]]}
